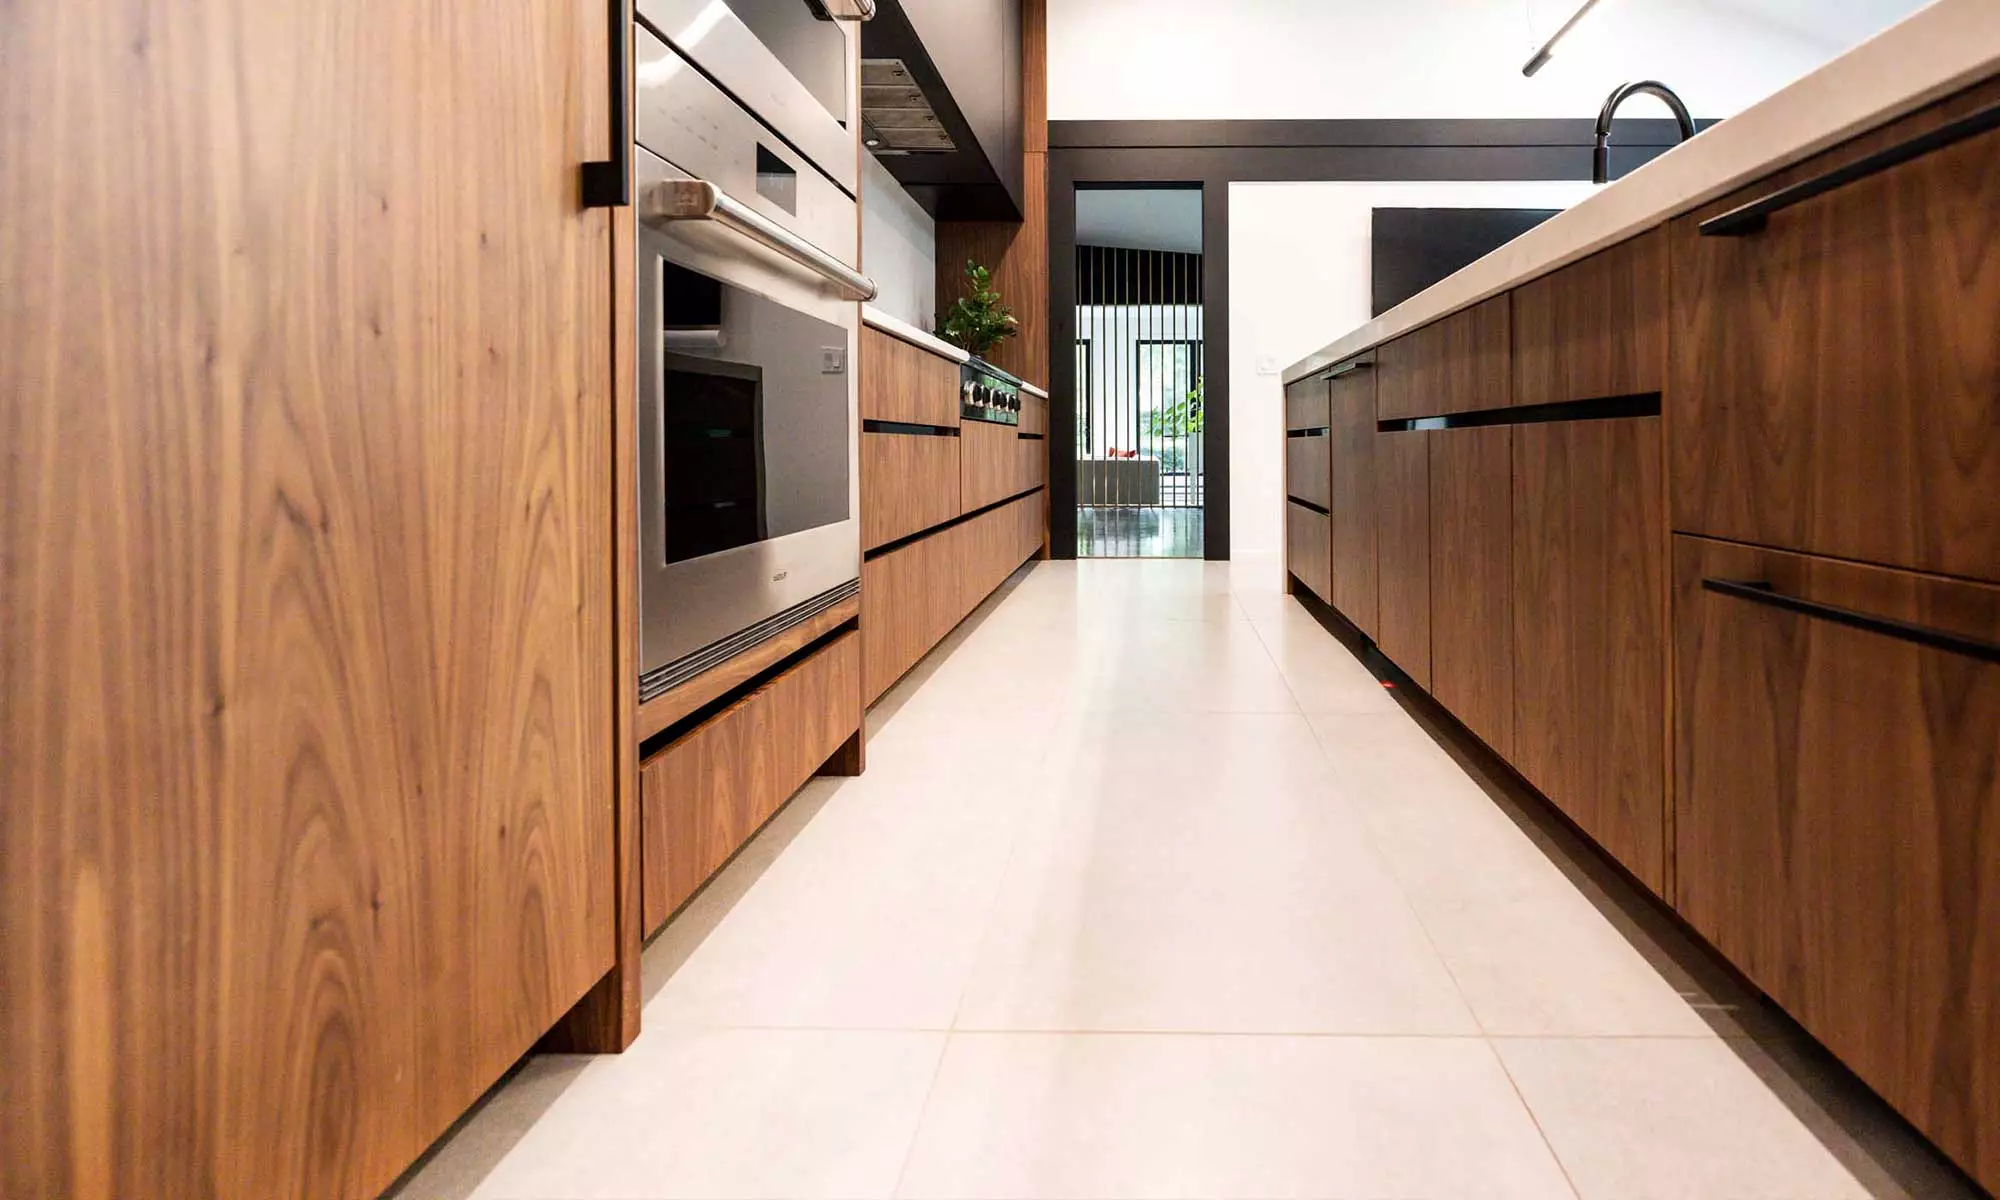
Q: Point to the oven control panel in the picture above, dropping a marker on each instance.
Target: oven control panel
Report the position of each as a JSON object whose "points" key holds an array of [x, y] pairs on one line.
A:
{"points": [[986, 393]]}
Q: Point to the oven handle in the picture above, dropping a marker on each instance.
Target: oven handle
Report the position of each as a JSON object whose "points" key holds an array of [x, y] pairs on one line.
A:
{"points": [[699, 200]]}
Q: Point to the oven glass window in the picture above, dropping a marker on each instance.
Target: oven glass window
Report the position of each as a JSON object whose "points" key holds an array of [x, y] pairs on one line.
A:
{"points": [[756, 417], [812, 47]]}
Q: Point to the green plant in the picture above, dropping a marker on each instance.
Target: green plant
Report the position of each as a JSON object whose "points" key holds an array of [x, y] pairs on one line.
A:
{"points": [[979, 322], [1182, 418]]}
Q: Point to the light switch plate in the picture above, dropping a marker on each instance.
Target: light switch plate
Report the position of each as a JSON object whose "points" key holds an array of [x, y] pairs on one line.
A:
{"points": [[1267, 365]]}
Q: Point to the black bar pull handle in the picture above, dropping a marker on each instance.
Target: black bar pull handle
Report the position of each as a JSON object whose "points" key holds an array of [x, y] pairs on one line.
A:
{"points": [[1348, 368], [608, 184], [1758, 591], [1752, 217]]}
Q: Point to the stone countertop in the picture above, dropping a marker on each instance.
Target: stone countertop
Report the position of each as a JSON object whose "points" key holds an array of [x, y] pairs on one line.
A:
{"points": [[1938, 50]]}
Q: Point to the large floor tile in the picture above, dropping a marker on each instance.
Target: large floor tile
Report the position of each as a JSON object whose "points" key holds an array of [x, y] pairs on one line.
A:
{"points": [[1670, 1119], [725, 1114], [1083, 1116]]}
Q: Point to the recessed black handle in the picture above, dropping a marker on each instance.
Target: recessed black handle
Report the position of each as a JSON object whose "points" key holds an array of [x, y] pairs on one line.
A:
{"points": [[608, 184], [1348, 368], [1758, 591], [1752, 217]]}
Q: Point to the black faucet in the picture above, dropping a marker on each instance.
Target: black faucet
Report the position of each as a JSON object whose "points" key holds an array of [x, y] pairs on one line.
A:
{"points": [[1600, 163]]}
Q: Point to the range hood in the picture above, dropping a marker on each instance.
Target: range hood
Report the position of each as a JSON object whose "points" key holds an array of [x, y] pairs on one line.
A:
{"points": [[941, 103]]}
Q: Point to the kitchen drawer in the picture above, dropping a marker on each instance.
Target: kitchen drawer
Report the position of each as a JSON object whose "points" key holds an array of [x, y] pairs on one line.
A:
{"points": [[1307, 460], [1308, 549], [902, 383], [909, 482], [1472, 579], [1403, 551], [1034, 414], [1031, 455], [1305, 404], [1838, 816], [1458, 364], [708, 793], [1352, 493], [989, 461], [1834, 377], [1596, 328]]}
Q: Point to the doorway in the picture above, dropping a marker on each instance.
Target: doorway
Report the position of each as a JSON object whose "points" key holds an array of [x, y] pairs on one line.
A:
{"points": [[1141, 453]]}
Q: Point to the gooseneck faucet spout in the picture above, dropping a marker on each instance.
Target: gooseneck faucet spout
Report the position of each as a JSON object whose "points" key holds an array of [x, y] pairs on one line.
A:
{"points": [[1600, 163]]}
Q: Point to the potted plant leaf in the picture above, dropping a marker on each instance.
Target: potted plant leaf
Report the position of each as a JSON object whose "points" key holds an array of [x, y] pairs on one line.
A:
{"points": [[978, 321]]}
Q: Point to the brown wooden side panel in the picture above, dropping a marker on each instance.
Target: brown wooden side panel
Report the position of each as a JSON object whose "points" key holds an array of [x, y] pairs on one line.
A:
{"points": [[1596, 328], [705, 795], [1307, 541], [1403, 551], [1835, 377], [306, 566], [1457, 364], [901, 382], [1590, 636], [1838, 818], [989, 464], [1306, 466], [909, 482], [1355, 521], [1472, 579]]}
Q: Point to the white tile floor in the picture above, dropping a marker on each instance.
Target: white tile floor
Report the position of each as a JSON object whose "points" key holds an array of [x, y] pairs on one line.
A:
{"points": [[1151, 890]]}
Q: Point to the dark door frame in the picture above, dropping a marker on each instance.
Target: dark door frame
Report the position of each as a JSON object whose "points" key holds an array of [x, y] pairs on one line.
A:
{"points": [[1212, 155]]}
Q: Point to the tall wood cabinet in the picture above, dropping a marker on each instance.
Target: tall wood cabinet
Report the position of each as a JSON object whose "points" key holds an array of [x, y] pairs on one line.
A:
{"points": [[306, 581]]}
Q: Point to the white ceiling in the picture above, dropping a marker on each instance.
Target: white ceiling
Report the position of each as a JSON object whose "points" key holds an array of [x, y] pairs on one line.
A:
{"points": [[1140, 218]]}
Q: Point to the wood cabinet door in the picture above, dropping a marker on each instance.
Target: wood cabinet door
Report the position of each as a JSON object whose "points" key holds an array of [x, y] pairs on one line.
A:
{"points": [[1353, 498], [1403, 551], [1305, 404], [1459, 363], [989, 464], [1838, 818], [1306, 546], [306, 568], [909, 482], [1306, 465], [1835, 377], [1590, 635], [906, 384], [1472, 579], [1595, 329]]}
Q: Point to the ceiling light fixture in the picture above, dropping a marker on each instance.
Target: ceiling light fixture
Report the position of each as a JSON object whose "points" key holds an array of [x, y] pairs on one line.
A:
{"points": [[1542, 56]]}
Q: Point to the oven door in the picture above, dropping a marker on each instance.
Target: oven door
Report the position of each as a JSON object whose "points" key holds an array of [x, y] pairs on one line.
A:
{"points": [[792, 68], [748, 485]]}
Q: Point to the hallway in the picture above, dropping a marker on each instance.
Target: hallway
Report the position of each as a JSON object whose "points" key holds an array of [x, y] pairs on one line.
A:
{"points": [[1151, 889]]}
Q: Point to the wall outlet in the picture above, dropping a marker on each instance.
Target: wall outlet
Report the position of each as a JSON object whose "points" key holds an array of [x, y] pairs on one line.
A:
{"points": [[1268, 365]]}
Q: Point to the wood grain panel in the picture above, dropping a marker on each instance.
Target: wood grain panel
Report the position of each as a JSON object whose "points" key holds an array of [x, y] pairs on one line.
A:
{"points": [[1472, 580], [1596, 328], [306, 581], [1306, 404], [1018, 255], [1355, 521], [1838, 797], [1307, 463], [1308, 542], [1834, 378], [1034, 414], [909, 482], [681, 702], [989, 464], [1403, 551], [709, 792], [1458, 364], [1590, 635], [1031, 463], [900, 382], [1035, 76]]}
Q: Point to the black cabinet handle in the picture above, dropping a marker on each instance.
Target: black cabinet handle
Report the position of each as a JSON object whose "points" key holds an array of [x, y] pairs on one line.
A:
{"points": [[1758, 591], [1348, 368], [1752, 217], [608, 184]]}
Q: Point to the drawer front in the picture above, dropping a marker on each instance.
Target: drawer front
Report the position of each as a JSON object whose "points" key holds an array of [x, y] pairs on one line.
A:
{"points": [[1034, 414], [1352, 493], [1305, 404], [1308, 549], [708, 793], [1403, 551], [1031, 456], [899, 382], [909, 482], [1459, 364], [1472, 579], [989, 464], [1594, 329], [1835, 377], [1837, 819], [1307, 462]]}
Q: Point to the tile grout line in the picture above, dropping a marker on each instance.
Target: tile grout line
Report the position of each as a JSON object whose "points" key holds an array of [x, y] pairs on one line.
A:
{"points": [[1533, 1117]]}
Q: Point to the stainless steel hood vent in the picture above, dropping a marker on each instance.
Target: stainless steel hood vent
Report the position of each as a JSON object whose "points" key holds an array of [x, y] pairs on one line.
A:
{"points": [[896, 116]]}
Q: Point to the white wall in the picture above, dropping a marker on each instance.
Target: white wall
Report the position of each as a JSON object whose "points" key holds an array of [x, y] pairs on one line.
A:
{"points": [[898, 247], [1327, 59], [1291, 293]]}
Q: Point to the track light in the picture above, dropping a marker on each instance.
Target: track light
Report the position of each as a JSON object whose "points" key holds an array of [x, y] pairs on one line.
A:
{"points": [[1547, 51]]}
